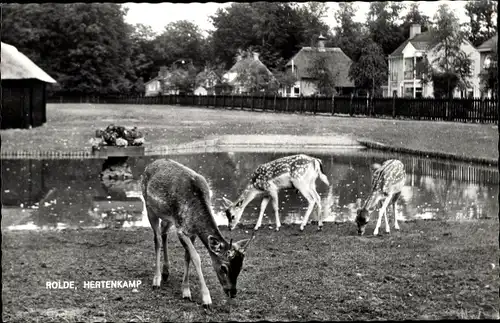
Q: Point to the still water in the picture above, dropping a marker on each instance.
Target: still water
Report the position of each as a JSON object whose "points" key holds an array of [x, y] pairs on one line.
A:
{"points": [[69, 193]]}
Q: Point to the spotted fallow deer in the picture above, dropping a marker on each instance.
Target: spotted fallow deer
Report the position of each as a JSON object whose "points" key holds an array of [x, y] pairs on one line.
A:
{"points": [[297, 171], [180, 197], [388, 180]]}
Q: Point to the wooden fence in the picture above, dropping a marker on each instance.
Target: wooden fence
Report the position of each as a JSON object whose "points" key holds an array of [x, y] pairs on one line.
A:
{"points": [[461, 110]]}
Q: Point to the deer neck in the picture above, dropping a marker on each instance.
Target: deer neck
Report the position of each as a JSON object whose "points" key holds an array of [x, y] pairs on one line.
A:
{"points": [[206, 226], [248, 195]]}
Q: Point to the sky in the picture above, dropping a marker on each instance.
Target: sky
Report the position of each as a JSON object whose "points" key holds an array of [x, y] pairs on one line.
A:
{"points": [[158, 15]]}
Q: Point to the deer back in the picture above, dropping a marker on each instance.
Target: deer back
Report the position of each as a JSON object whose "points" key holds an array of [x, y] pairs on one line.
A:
{"points": [[177, 194]]}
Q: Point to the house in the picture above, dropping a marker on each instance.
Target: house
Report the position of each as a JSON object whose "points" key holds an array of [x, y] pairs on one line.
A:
{"points": [[337, 61], [24, 98], [485, 52], [153, 86], [242, 64], [206, 81], [406, 67]]}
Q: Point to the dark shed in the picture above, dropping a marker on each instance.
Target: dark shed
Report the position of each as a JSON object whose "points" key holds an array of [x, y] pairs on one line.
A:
{"points": [[23, 90]]}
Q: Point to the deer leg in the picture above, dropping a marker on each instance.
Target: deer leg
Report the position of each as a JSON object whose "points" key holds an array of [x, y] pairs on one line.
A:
{"points": [[165, 226], [317, 200], [263, 206], [274, 197], [396, 225], [155, 225], [380, 214], [195, 257], [387, 228], [186, 292], [310, 199]]}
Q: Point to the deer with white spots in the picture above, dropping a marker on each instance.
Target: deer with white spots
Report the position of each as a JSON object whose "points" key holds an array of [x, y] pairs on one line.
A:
{"points": [[297, 171], [180, 197], [388, 180]]}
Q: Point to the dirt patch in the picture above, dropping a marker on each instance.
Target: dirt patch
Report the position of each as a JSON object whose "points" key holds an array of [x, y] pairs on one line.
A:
{"points": [[429, 270]]}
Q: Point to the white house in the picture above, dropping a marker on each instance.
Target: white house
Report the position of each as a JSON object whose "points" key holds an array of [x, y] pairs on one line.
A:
{"points": [[406, 68]]}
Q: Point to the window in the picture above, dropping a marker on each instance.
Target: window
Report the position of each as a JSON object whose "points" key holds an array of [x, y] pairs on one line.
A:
{"points": [[418, 92], [296, 90], [288, 90], [470, 94]]}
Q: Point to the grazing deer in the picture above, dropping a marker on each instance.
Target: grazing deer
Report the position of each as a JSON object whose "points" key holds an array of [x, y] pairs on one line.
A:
{"points": [[181, 197], [297, 171], [387, 181]]}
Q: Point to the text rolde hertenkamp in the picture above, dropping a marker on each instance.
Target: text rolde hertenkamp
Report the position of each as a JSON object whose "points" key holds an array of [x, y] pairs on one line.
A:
{"points": [[94, 284]]}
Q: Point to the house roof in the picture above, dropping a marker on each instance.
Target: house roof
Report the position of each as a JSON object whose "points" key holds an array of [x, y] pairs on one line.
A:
{"points": [[252, 63], [337, 60], [489, 44], [421, 41], [16, 66], [157, 78], [207, 73]]}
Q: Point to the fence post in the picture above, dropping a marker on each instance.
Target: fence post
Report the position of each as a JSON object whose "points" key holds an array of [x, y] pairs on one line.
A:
{"points": [[274, 103], [223, 101], [368, 112], [251, 106], [394, 107], [286, 105], [350, 105], [315, 110], [215, 100], [333, 104], [232, 101]]}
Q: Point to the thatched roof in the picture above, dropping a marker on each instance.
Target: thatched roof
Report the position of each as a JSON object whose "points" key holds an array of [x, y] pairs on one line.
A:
{"points": [[336, 59], [249, 62], [488, 45], [16, 66]]}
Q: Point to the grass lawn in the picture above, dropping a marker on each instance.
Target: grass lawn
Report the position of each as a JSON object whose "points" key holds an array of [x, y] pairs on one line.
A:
{"points": [[429, 270], [69, 127]]}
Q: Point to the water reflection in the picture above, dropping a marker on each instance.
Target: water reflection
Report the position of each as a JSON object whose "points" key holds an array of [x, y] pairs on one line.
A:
{"points": [[55, 194]]}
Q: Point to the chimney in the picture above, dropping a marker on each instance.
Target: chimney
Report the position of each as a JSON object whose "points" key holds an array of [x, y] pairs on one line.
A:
{"points": [[414, 30], [255, 56], [163, 71], [321, 43]]}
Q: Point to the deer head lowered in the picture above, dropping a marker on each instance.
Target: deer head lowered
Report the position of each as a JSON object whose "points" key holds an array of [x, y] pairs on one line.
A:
{"points": [[388, 180], [297, 171], [180, 197]]}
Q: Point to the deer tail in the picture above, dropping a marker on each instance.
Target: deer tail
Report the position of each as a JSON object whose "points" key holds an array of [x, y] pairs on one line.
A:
{"points": [[318, 165]]}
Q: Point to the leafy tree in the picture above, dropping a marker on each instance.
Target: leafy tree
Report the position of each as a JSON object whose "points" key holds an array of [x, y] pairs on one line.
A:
{"points": [[85, 47], [285, 79], [451, 62], [143, 53], [324, 78], [415, 16], [182, 79], [370, 71], [348, 33], [181, 39], [482, 15], [253, 76], [383, 25], [489, 77]]}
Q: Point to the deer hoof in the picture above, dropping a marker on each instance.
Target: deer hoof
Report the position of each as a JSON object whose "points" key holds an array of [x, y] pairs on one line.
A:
{"points": [[320, 228], [164, 276], [207, 307], [277, 229]]}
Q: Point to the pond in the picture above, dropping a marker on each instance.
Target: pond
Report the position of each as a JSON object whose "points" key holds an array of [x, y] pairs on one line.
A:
{"points": [[69, 193]]}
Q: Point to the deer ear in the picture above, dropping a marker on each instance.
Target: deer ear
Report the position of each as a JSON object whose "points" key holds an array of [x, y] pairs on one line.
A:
{"points": [[226, 203], [215, 245], [242, 245]]}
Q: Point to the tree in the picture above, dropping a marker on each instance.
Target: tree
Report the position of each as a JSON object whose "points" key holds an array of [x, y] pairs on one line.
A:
{"points": [[253, 75], [452, 66], [489, 77], [324, 78], [85, 47], [383, 25], [370, 71], [182, 79], [482, 15], [143, 54], [285, 79], [348, 33], [415, 16], [181, 39]]}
